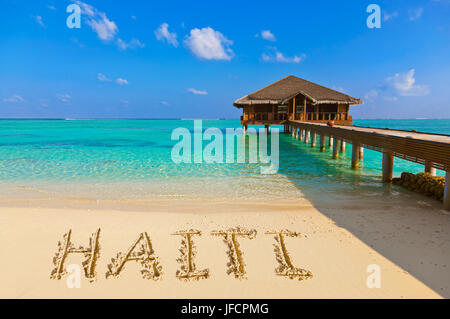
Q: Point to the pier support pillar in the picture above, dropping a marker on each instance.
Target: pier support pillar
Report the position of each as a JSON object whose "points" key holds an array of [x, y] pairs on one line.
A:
{"points": [[267, 129], [313, 139], [330, 141], [447, 191], [388, 166], [361, 153], [342, 149], [307, 136], [244, 130], [335, 148], [322, 143], [355, 155], [429, 168]]}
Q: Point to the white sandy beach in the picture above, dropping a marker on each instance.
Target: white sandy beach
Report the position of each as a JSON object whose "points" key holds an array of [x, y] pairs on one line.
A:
{"points": [[407, 237]]}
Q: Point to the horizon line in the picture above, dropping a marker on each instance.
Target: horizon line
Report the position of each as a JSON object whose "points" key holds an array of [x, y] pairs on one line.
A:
{"points": [[181, 119]]}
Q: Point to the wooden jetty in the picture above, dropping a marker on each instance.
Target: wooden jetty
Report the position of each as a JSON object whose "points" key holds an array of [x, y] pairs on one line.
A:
{"points": [[430, 150], [305, 108]]}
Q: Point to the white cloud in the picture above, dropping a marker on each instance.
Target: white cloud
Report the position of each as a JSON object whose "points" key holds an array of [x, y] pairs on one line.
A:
{"points": [[121, 81], [165, 103], [197, 92], [388, 16], [64, 97], [105, 28], [51, 7], [371, 95], [390, 98], [277, 56], [133, 44], [39, 21], [400, 84], [267, 35], [101, 77], [86, 8], [405, 84], [98, 21], [14, 99], [209, 44], [163, 33], [415, 14]]}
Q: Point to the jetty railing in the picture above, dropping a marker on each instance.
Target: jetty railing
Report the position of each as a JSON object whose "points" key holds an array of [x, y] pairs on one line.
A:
{"points": [[430, 150]]}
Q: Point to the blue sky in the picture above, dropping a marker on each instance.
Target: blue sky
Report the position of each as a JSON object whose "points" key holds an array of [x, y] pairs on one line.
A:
{"points": [[186, 59]]}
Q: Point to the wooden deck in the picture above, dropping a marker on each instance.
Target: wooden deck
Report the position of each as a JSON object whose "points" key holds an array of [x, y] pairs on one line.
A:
{"points": [[431, 150], [413, 146]]}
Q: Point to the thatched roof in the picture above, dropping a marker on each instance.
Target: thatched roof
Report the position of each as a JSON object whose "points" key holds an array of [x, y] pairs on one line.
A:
{"points": [[285, 89]]}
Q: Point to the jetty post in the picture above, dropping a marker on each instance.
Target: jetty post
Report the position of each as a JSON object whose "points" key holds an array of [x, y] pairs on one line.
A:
{"points": [[307, 135], [313, 139], [388, 166], [342, 148], [361, 153], [429, 168], [322, 142], [355, 154], [335, 148]]}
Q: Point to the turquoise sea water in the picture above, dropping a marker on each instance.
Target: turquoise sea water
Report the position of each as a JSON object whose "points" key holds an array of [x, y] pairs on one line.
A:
{"points": [[139, 152]]}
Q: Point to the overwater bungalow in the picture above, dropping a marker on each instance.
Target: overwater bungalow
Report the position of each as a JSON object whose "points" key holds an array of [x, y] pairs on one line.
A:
{"points": [[304, 108], [293, 98]]}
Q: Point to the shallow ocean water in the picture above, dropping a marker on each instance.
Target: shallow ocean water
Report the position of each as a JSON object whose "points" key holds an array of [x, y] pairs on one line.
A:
{"points": [[132, 158]]}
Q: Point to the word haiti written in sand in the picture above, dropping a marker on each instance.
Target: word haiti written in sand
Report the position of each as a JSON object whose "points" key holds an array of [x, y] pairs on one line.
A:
{"points": [[142, 252]]}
